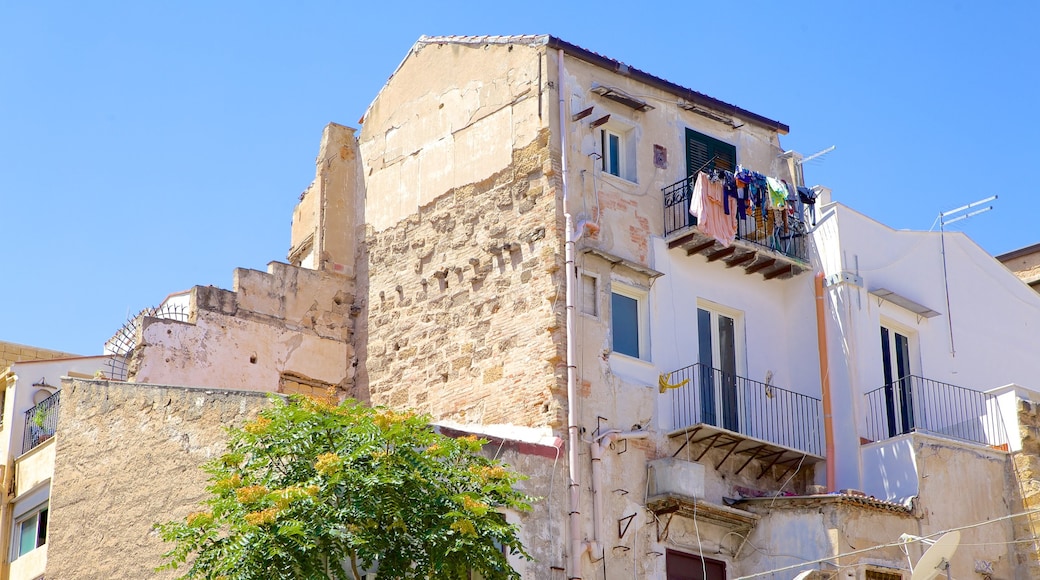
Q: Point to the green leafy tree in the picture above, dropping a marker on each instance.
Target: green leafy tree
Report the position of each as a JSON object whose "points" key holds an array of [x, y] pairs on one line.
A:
{"points": [[313, 490]]}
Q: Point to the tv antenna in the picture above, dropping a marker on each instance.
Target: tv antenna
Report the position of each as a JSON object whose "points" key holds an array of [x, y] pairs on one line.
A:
{"points": [[817, 155], [945, 218], [936, 559]]}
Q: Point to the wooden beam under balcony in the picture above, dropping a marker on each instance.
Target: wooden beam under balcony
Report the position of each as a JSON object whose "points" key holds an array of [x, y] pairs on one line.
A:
{"points": [[716, 255]]}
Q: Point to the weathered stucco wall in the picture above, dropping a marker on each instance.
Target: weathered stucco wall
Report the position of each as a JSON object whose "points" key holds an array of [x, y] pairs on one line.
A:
{"points": [[450, 117], [629, 209], [128, 456], [288, 320]]}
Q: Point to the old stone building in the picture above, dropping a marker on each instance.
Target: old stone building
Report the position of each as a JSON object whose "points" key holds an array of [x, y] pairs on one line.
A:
{"points": [[517, 213], [507, 244]]}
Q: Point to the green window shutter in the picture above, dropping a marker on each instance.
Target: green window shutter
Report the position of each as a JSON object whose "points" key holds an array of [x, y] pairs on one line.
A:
{"points": [[704, 153]]}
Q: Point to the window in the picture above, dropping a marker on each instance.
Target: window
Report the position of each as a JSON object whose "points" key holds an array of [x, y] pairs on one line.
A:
{"points": [[720, 352], [680, 566], [589, 295], [611, 152], [704, 153], [629, 322], [30, 531], [618, 150]]}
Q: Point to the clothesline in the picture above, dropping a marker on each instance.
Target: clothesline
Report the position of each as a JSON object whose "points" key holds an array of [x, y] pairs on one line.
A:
{"points": [[722, 199]]}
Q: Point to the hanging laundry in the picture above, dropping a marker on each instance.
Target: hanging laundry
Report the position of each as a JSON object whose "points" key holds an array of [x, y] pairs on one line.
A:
{"points": [[808, 198], [712, 209], [732, 189], [777, 193]]}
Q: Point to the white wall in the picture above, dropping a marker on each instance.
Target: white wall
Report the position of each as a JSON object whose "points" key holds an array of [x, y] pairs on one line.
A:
{"points": [[994, 316]]}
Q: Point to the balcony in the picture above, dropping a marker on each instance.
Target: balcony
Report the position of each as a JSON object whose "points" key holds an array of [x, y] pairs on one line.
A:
{"points": [[713, 409], [775, 252], [916, 404], [41, 422]]}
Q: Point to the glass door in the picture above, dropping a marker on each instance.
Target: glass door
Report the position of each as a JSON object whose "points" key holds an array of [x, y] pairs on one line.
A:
{"points": [[899, 404], [717, 354]]}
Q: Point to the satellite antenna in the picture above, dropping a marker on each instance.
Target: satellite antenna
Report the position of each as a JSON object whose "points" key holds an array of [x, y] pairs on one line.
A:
{"points": [[936, 558], [803, 575]]}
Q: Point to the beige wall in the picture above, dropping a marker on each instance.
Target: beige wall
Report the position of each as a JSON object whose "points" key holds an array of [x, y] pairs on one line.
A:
{"points": [[128, 455], [287, 320], [449, 118], [324, 232], [462, 317]]}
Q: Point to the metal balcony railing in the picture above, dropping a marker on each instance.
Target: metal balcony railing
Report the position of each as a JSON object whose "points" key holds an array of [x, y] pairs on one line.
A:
{"points": [[918, 404], [41, 422], [790, 241], [741, 405]]}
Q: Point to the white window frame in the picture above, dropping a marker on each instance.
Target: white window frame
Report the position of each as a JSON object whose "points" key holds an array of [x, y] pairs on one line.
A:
{"points": [[627, 143], [739, 335], [16, 535], [641, 296]]}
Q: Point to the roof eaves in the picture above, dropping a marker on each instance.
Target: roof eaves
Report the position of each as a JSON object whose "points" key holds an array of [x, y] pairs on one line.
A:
{"points": [[1018, 253], [665, 85]]}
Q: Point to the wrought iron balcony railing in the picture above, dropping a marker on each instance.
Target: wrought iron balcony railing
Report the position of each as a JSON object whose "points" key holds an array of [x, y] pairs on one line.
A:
{"points": [[741, 405], [918, 404], [41, 422], [767, 232]]}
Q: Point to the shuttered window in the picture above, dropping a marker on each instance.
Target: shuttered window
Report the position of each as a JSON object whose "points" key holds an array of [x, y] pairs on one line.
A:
{"points": [[704, 153]]}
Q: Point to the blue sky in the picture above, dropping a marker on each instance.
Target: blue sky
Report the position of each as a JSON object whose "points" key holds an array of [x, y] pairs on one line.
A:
{"points": [[149, 147]]}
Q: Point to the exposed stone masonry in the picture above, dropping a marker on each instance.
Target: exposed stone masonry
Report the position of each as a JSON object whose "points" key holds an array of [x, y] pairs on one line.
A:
{"points": [[1026, 464], [466, 304], [128, 456]]}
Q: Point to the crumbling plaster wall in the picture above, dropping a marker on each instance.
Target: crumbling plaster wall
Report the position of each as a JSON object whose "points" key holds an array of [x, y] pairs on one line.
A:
{"points": [[632, 209], [792, 531], [463, 303], [288, 319], [450, 117], [128, 456]]}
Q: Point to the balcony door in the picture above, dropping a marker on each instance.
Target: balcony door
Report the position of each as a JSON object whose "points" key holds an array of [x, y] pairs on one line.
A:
{"points": [[720, 357], [899, 401]]}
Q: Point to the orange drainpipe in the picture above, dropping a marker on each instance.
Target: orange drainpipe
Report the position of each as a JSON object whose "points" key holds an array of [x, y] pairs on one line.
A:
{"points": [[825, 380]]}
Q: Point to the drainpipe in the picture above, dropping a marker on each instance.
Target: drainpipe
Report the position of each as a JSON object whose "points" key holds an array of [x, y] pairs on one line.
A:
{"points": [[825, 380], [598, 446], [574, 520]]}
